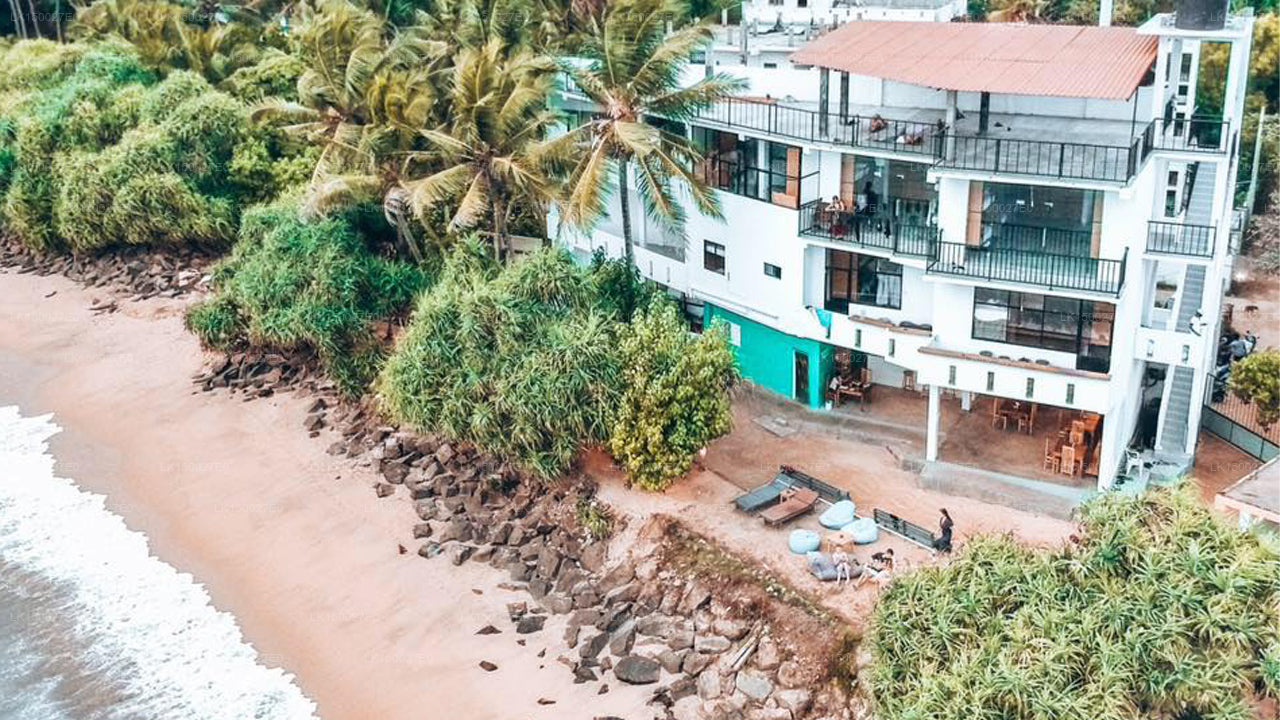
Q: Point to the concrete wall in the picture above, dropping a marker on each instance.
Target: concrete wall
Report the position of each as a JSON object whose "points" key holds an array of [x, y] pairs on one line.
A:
{"points": [[767, 356]]}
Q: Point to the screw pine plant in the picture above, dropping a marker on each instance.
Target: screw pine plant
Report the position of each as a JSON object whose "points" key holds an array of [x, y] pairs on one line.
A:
{"points": [[1160, 611]]}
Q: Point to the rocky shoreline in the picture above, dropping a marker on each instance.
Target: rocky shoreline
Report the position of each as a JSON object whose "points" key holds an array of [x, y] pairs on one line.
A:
{"points": [[711, 647], [138, 273], [634, 619]]}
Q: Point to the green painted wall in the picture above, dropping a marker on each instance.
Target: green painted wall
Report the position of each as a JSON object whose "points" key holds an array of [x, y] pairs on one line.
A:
{"points": [[767, 356]]}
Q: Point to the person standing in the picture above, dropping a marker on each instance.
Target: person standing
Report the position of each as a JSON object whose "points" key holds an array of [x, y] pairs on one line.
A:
{"points": [[945, 524]]}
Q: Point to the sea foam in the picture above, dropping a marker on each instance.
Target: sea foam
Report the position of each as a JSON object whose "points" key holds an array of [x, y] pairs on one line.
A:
{"points": [[94, 626]]}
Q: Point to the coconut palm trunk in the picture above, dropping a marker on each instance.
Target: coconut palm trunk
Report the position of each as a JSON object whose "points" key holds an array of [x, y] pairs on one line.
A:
{"points": [[35, 18], [624, 196], [501, 238], [19, 26]]}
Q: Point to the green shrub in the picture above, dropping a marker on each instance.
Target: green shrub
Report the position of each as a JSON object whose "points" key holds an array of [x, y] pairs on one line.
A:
{"points": [[275, 74], [1160, 611], [1256, 380], [108, 156], [292, 283], [518, 362], [675, 398]]}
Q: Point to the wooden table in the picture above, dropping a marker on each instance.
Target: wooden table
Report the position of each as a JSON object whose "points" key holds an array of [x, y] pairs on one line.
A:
{"points": [[838, 540], [1019, 412]]}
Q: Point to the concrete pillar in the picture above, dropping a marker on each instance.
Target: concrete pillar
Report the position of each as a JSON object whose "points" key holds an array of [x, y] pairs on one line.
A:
{"points": [[1159, 87], [966, 400], [1105, 12], [931, 431], [951, 125], [743, 40], [824, 101], [1110, 450]]}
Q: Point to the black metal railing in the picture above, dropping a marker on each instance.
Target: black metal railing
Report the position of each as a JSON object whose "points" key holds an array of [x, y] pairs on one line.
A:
{"points": [[1040, 157], [1029, 238], [905, 136], [880, 232], [1180, 238], [758, 183], [928, 140], [1055, 272], [1197, 134]]}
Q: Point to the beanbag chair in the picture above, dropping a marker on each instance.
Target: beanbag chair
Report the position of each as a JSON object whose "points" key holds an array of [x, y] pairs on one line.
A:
{"points": [[822, 566], [863, 531], [838, 515], [803, 541]]}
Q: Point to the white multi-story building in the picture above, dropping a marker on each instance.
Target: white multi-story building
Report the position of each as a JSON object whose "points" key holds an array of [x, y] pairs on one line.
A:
{"points": [[766, 13], [997, 217], [771, 30]]}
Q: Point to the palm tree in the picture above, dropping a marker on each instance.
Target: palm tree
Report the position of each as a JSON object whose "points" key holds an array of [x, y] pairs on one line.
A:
{"points": [[633, 74], [366, 90], [493, 153]]}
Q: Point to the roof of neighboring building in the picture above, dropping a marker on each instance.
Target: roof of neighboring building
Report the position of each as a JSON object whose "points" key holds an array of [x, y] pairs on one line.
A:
{"points": [[1052, 60], [1259, 490]]}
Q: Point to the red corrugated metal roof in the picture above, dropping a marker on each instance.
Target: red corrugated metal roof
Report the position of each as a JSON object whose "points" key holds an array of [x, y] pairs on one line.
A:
{"points": [[1053, 60]]}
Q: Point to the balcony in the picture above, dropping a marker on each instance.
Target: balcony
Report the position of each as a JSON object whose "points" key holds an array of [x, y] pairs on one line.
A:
{"points": [[918, 138], [1064, 160], [876, 233], [1026, 267], [1190, 135], [778, 188], [1031, 238], [1172, 238], [1114, 154]]}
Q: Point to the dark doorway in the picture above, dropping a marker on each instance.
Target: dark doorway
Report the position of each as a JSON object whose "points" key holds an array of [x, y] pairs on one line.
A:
{"points": [[802, 377]]}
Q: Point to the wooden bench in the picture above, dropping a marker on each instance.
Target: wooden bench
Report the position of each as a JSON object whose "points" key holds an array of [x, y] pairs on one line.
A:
{"points": [[904, 528], [830, 493]]}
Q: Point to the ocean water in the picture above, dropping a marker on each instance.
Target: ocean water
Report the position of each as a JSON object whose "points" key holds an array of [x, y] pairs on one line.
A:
{"points": [[93, 626]]}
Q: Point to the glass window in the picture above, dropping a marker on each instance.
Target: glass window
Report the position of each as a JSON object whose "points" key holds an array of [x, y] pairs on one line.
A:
{"points": [[840, 275], [861, 280], [1068, 325], [713, 256], [1041, 219], [879, 282], [772, 270]]}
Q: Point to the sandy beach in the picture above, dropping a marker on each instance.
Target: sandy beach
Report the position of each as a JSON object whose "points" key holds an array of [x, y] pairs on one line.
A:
{"points": [[288, 539]]}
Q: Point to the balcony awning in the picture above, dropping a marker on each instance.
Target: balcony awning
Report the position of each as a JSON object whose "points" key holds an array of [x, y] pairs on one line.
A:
{"points": [[1046, 60]]}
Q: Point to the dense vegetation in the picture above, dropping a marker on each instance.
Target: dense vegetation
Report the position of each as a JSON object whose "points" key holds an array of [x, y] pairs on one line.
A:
{"points": [[1159, 611], [102, 152], [292, 282], [538, 358]]}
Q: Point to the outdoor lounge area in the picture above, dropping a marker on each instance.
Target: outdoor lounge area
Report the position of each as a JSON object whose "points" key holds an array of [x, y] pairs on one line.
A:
{"points": [[1031, 440], [1024, 439], [849, 543]]}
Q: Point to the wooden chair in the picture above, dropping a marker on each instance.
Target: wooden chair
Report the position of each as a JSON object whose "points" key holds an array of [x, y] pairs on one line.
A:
{"points": [[859, 389], [997, 417], [1052, 460], [1072, 463]]}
